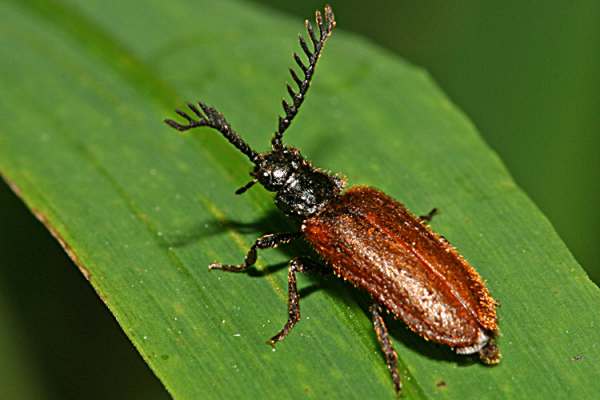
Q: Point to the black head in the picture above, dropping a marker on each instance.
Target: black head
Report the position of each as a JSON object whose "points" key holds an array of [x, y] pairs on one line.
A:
{"points": [[302, 190], [273, 169]]}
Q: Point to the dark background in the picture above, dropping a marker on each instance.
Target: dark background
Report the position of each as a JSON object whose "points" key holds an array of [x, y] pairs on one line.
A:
{"points": [[525, 72]]}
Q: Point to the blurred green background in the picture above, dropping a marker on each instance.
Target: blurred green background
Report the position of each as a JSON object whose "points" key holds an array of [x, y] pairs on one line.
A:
{"points": [[526, 73]]}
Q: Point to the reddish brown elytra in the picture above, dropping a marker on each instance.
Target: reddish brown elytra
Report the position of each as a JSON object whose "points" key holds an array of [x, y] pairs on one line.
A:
{"points": [[361, 235]]}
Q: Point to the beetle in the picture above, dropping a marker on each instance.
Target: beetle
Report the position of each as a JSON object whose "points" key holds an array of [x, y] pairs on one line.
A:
{"points": [[363, 235]]}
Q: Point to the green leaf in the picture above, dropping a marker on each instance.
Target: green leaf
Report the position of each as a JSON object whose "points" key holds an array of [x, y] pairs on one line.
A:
{"points": [[142, 211], [21, 380]]}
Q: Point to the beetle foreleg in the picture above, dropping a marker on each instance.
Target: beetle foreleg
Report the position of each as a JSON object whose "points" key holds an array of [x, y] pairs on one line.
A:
{"points": [[268, 241], [247, 186], [429, 216], [296, 265], [391, 358]]}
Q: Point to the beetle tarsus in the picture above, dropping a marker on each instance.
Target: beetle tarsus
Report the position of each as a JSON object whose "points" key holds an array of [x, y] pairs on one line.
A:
{"points": [[391, 358], [297, 264], [267, 241], [429, 216]]}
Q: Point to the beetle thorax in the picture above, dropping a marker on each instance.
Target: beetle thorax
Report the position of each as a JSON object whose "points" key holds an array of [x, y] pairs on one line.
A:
{"points": [[302, 190]]}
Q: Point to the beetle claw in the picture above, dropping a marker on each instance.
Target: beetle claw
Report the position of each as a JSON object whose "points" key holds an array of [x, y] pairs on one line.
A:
{"points": [[215, 266]]}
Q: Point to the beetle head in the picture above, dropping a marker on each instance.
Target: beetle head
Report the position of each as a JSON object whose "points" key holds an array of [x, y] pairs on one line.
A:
{"points": [[302, 190], [273, 169]]}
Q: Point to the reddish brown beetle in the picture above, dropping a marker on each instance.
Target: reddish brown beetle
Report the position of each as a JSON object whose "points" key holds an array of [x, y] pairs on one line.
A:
{"points": [[363, 235]]}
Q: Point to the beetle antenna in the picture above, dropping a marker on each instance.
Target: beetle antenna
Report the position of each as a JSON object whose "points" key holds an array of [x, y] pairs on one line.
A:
{"points": [[325, 25], [208, 116]]}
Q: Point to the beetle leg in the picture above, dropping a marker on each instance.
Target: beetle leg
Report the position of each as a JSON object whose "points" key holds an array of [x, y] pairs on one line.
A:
{"points": [[429, 216], [296, 265], [391, 358], [268, 241], [246, 186]]}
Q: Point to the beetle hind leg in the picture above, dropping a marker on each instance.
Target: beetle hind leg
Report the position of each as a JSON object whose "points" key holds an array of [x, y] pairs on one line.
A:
{"points": [[391, 358], [429, 216], [296, 265], [268, 241]]}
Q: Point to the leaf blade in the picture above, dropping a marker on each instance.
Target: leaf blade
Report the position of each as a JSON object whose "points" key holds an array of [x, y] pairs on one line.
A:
{"points": [[124, 196]]}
